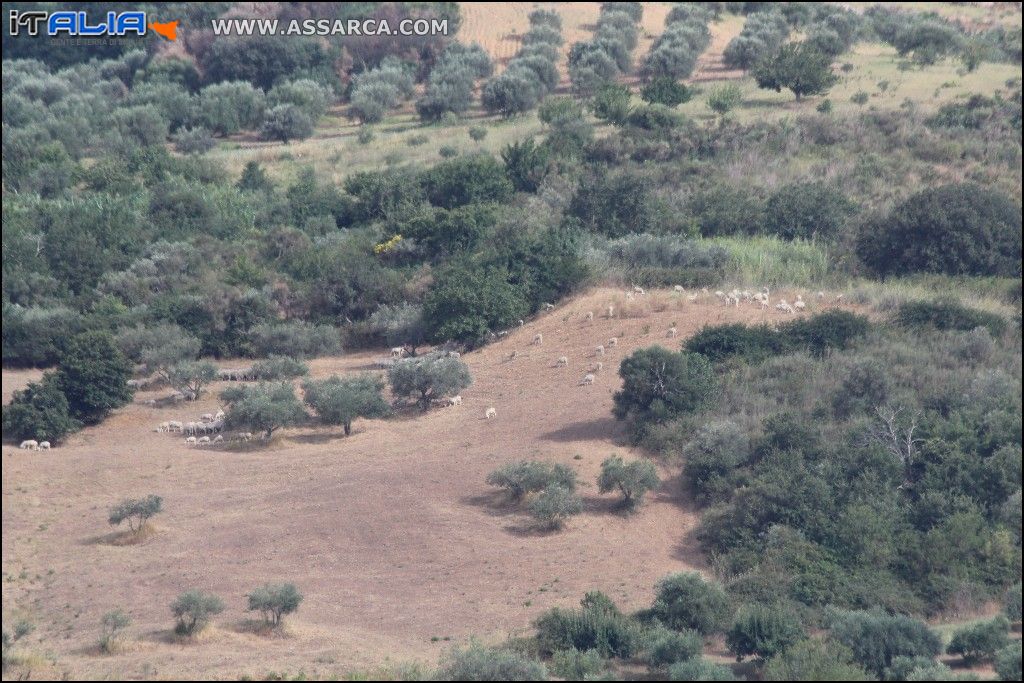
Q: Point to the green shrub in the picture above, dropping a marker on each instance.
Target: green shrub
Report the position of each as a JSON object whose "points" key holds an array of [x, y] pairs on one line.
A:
{"points": [[948, 315], [365, 135], [699, 669], [554, 505], [611, 103], [477, 133], [193, 610], [725, 98], [686, 601], [654, 117], [826, 331], [40, 412], [980, 641], [876, 638], [136, 511], [479, 663], [597, 626], [659, 385], [814, 660], [467, 180], [278, 368], [807, 210], [712, 459], [751, 343], [665, 647], [93, 375], [274, 601], [531, 476], [632, 479], [1008, 661], [574, 665], [448, 151], [417, 140], [665, 90], [763, 631], [960, 229], [1012, 602]]}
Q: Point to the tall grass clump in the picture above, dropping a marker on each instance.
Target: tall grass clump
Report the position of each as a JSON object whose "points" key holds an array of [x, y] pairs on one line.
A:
{"points": [[775, 262]]}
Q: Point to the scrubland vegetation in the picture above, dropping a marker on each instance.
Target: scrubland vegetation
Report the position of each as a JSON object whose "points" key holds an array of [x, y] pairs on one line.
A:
{"points": [[856, 473]]}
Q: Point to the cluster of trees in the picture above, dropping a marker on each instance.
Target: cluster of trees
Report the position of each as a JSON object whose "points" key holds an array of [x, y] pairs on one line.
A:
{"points": [[193, 609], [550, 489], [675, 52], [829, 29], [90, 381], [598, 62], [451, 82], [532, 73], [763, 32], [376, 91]]}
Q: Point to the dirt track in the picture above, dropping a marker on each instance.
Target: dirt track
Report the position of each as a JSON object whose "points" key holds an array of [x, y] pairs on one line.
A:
{"points": [[391, 534]]}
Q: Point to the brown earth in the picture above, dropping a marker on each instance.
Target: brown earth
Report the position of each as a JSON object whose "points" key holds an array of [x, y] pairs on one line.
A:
{"points": [[391, 534]]}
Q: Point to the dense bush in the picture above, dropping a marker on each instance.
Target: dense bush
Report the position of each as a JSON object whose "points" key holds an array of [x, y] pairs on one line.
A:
{"points": [[614, 205], [763, 631], [687, 601], [466, 303], [467, 180], [531, 476], [812, 210], [666, 647], [278, 368], [598, 625], [948, 315], [479, 663], [751, 343], [659, 385], [93, 375], [713, 458], [1008, 662], [814, 660], [980, 641], [875, 638], [961, 229], [554, 505], [298, 339], [699, 669], [665, 90], [39, 412], [761, 33]]}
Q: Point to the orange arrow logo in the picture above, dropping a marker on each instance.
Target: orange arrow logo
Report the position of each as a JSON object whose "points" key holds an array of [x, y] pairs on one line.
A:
{"points": [[168, 29]]}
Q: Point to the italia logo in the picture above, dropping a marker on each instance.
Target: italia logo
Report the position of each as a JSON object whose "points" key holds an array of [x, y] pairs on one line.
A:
{"points": [[78, 24]]}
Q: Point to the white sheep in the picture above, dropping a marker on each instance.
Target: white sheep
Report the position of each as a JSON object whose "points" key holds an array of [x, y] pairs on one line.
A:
{"points": [[44, 445], [454, 354], [245, 436], [589, 317], [455, 400], [784, 307], [614, 341], [678, 288], [202, 441], [489, 413], [821, 295], [190, 440], [599, 350], [562, 361], [629, 296], [672, 332], [720, 294], [587, 379], [29, 445], [206, 417], [549, 307], [219, 438], [397, 352], [799, 304], [598, 366], [538, 338], [691, 298], [611, 311], [174, 426], [639, 290]]}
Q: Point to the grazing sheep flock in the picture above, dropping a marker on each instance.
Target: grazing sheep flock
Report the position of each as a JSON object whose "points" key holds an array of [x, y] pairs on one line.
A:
{"points": [[210, 427]]}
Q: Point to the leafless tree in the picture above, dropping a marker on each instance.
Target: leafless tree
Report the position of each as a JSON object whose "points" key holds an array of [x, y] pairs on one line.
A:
{"points": [[895, 431]]}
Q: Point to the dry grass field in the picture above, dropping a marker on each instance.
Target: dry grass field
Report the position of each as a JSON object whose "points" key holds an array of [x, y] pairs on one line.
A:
{"points": [[391, 534]]}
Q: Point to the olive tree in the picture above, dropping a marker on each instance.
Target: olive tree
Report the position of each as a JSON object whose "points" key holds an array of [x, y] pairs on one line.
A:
{"points": [[530, 476], [264, 408], [136, 511], [338, 401], [632, 479], [554, 505], [429, 377], [193, 610], [274, 601]]}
